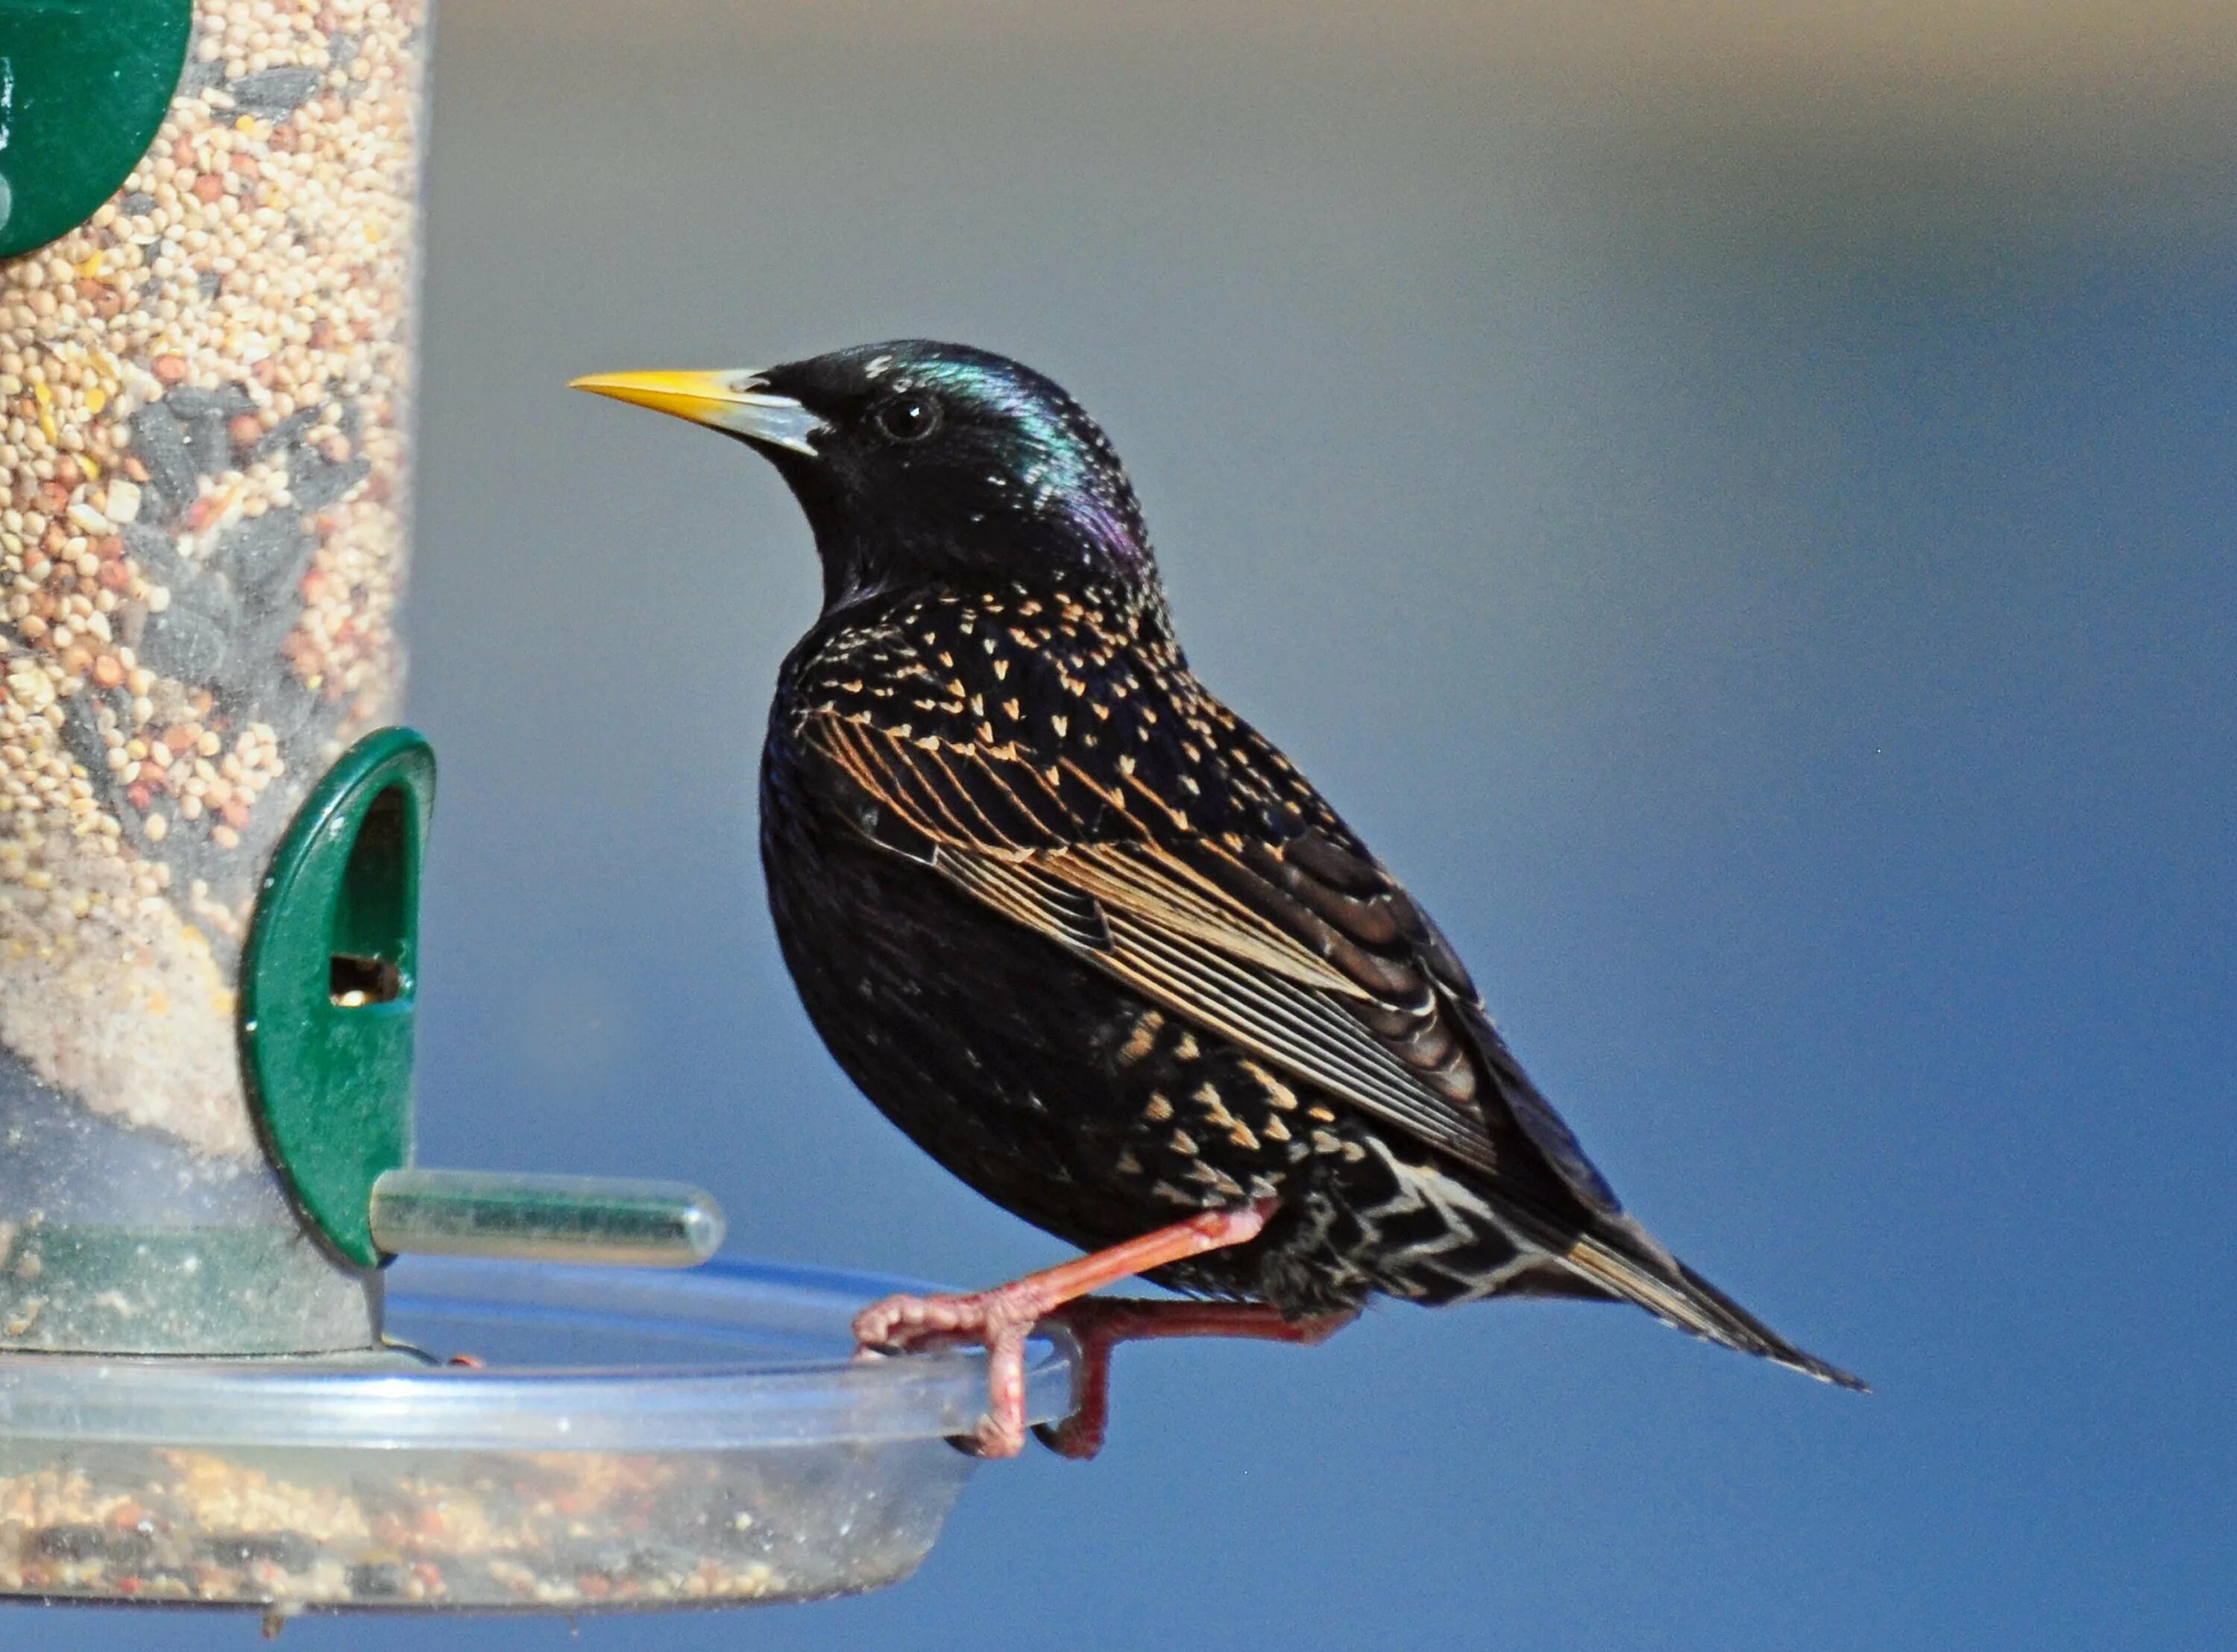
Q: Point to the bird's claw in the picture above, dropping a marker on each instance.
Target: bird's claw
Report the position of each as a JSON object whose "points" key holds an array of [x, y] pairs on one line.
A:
{"points": [[1003, 1318], [905, 1324]]}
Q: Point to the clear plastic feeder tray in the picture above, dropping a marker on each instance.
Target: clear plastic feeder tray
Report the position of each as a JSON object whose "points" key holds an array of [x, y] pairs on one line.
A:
{"points": [[630, 1440]]}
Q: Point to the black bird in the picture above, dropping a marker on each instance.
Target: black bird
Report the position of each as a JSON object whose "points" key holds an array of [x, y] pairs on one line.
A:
{"points": [[1089, 939]]}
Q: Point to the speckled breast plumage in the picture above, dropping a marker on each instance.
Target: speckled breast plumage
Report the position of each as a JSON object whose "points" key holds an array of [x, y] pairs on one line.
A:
{"points": [[992, 823]]}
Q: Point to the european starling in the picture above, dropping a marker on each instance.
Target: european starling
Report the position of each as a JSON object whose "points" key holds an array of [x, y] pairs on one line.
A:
{"points": [[1089, 939]]}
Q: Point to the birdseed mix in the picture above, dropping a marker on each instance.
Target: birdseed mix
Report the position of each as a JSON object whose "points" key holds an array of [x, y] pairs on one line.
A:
{"points": [[203, 398], [571, 1531]]}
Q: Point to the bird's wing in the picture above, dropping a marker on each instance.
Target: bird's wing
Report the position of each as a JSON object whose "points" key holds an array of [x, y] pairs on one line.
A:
{"points": [[1297, 946]]}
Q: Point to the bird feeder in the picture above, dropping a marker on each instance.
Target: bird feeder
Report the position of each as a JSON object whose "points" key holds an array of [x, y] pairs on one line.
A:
{"points": [[211, 839]]}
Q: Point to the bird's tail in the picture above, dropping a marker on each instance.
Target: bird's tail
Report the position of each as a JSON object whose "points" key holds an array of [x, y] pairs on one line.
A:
{"points": [[1677, 1295]]}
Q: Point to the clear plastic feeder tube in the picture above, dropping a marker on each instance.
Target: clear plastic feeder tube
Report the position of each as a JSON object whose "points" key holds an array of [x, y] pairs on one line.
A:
{"points": [[204, 488]]}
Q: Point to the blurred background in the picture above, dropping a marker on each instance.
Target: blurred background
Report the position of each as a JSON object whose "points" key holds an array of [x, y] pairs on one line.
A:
{"points": [[1733, 501]]}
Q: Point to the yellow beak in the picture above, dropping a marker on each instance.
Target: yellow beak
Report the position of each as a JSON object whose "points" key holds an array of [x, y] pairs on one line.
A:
{"points": [[738, 402]]}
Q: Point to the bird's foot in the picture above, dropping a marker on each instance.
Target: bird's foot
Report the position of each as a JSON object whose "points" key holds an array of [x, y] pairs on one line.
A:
{"points": [[1001, 1319], [1100, 1324]]}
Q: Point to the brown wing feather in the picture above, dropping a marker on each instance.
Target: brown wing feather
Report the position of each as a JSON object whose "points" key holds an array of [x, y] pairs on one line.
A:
{"points": [[1305, 952]]}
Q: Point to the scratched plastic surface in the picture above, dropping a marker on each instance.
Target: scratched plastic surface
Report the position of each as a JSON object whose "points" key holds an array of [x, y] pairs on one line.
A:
{"points": [[627, 1441]]}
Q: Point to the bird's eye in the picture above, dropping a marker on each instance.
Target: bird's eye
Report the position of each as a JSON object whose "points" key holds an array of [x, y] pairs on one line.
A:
{"points": [[909, 419]]}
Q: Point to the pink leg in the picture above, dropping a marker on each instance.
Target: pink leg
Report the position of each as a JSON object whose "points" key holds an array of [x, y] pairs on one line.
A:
{"points": [[1002, 1318], [1100, 1324]]}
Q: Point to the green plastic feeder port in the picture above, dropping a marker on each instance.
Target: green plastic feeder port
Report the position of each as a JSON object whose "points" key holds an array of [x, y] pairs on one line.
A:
{"points": [[326, 985], [328, 989]]}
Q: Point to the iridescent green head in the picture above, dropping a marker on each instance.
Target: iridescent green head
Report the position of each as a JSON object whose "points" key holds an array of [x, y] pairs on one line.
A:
{"points": [[920, 463]]}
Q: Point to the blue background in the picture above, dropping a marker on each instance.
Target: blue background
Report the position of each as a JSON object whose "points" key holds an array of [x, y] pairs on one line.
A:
{"points": [[1743, 528]]}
